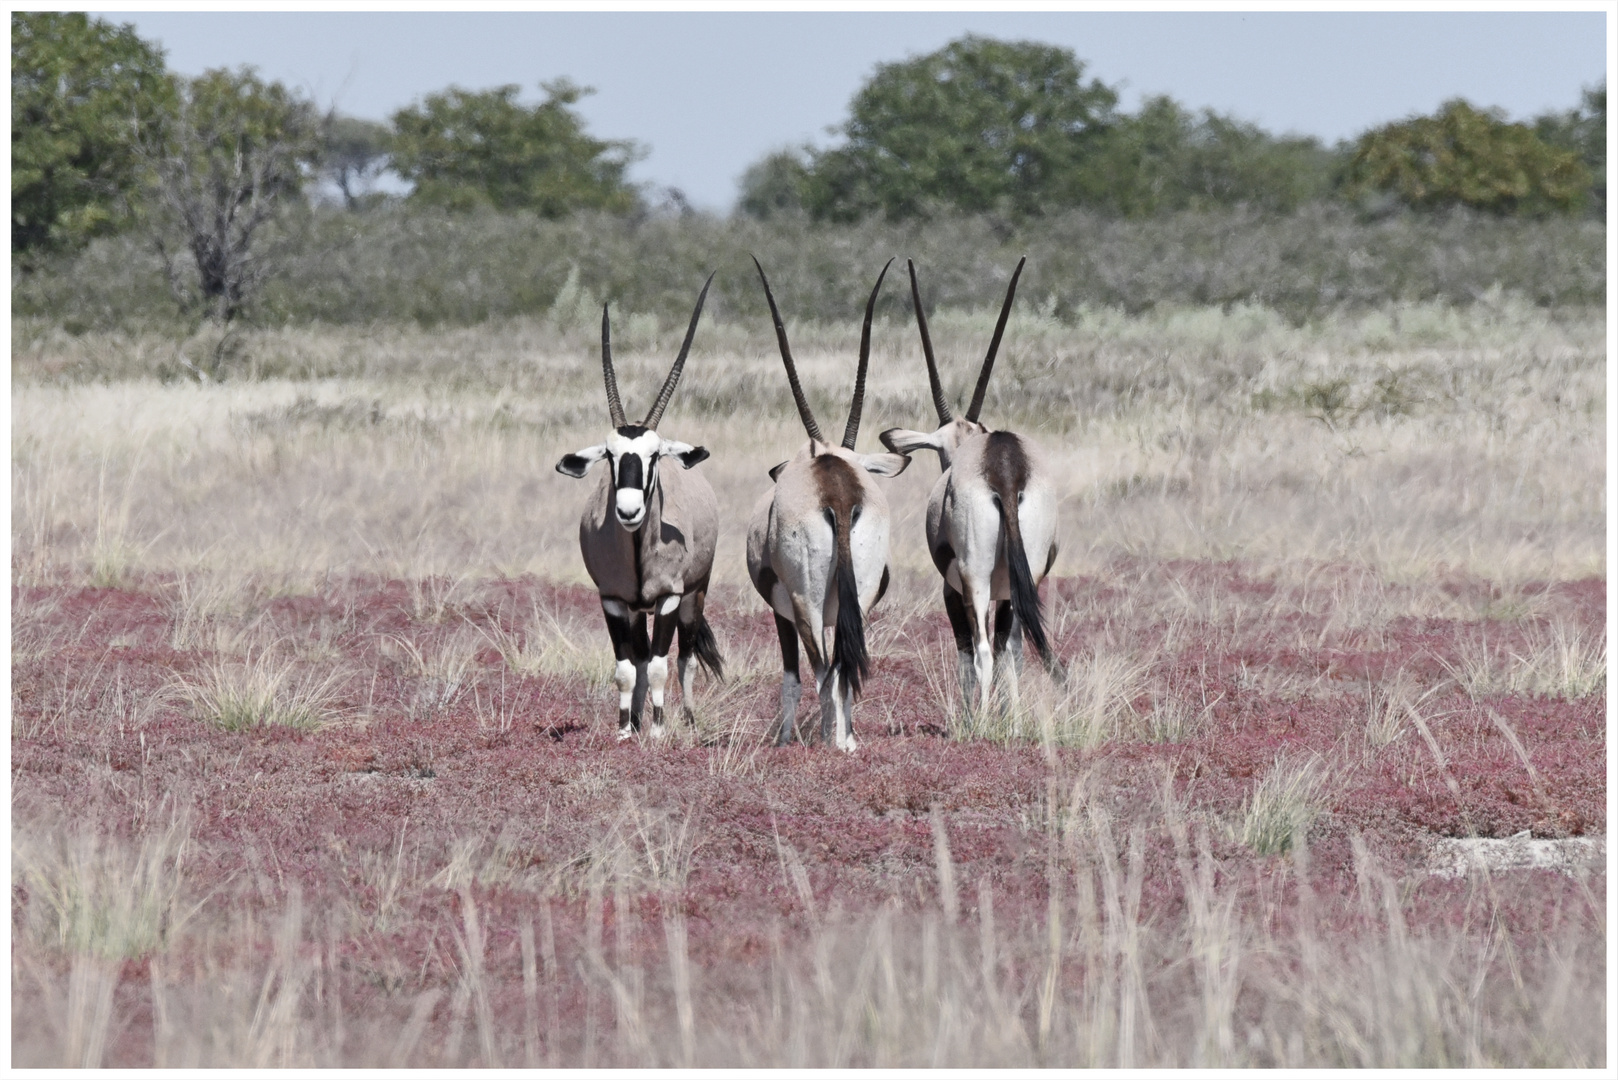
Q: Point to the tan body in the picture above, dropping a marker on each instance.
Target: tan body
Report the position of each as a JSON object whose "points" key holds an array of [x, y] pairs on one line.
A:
{"points": [[793, 558], [647, 535], [817, 550], [991, 526], [968, 540], [673, 548]]}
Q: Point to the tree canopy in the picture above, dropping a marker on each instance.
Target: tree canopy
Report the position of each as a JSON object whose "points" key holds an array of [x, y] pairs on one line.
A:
{"points": [[978, 125], [1013, 128], [1166, 158], [1462, 156], [229, 152], [82, 93], [463, 148], [1583, 131]]}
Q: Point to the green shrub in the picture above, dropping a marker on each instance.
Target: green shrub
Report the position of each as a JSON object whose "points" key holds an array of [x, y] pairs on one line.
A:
{"points": [[399, 264], [1463, 156]]}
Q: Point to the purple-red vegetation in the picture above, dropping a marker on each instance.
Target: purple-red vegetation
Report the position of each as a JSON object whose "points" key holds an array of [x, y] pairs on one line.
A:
{"points": [[524, 771]]}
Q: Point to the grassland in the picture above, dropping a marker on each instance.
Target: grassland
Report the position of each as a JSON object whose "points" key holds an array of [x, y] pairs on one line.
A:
{"points": [[311, 760]]}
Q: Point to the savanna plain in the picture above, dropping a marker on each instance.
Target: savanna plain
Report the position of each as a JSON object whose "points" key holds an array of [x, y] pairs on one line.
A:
{"points": [[313, 756]]}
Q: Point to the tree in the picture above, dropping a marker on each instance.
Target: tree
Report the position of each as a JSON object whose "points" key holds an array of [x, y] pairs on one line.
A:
{"points": [[354, 153], [775, 184], [222, 162], [83, 92], [1582, 131], [1166, 158], [978, 125], [462, 149], [1463, 156]]}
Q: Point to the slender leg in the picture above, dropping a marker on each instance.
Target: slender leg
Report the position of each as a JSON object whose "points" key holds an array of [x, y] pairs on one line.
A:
{"points": [[621, 630], [690, 617], [641, 654], [845, 722], [791, 685], [961, 624], [657, 667], [829, 685], [1007, 663], [977, 605]]}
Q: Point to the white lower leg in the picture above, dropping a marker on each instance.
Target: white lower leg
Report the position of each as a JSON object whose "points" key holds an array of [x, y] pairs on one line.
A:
{"points": [[845, 719], [1008, 672], [983, 662], [624, 676], [688, 678], [657, 677]]}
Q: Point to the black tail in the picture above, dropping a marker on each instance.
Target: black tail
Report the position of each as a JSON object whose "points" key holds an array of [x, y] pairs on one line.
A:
{"points": [[699, 644], [1024, 592], [849, 657]]}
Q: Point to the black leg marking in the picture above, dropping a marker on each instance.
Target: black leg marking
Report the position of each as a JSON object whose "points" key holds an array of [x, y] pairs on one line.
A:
{"points": [[640, 652], [960, 620], [663, 628], [622, 631], [960, 623], [1003, 618]]}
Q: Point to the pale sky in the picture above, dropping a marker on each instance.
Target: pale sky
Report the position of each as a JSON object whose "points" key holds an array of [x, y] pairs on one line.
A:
{"points": [[709, 93]]}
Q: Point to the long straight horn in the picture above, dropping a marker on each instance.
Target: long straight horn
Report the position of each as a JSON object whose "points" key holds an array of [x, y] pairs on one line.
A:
{"points": [[614, 405], [852, 429], [804, 414], [673, 380], [927, 349], [994, 344]]}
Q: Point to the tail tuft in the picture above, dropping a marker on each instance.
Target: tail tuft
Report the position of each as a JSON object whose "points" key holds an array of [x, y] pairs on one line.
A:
{"points": [[700, 644], [849, 656], [1024, 591]]}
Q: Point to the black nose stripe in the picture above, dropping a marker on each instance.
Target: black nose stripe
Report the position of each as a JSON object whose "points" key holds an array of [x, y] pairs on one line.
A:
{"points": [[630, 472]]}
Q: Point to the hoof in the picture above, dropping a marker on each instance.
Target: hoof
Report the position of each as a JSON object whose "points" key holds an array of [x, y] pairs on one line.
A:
{"points": [[658, 731], [625, 732]]}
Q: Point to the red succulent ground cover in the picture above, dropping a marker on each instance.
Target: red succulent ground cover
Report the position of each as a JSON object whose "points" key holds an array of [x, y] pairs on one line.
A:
{"points": [[524, 770]]}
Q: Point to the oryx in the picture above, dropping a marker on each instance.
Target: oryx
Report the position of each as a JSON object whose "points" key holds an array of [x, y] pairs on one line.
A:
{"points": [[991, 523], [648, 535], [817, 549]]}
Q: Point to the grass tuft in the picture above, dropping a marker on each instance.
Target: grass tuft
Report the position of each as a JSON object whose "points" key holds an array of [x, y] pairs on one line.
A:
{"points": [[260, 692], [1278, 813]]}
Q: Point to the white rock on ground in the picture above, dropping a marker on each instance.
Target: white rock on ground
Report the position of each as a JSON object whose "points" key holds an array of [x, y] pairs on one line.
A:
{"points": [[1454, 857]]}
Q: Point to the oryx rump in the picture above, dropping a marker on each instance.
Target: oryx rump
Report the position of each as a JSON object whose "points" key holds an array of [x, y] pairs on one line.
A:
{"points": [[991, 524], [817, 550]]}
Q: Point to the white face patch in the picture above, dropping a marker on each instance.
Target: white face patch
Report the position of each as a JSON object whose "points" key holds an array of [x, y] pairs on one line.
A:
{"points": [[645, 444], [630, 500]]}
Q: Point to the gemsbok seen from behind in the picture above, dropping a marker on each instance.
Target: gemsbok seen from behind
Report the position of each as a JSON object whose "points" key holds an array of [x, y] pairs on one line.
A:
{"points": [[647, 535], [817, 550], [991, 525]]}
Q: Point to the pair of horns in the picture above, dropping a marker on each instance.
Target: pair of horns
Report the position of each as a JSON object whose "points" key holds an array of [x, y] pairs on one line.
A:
{"points": [[988, 361], [852, 429], [615, 405]]}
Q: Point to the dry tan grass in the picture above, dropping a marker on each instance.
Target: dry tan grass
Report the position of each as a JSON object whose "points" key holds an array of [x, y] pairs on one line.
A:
{"points": [[1096, 985], [1347, 464], [1404, 442]]}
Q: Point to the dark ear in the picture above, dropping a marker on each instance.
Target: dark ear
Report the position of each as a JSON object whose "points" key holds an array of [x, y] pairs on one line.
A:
{"points": [[775, 473], [694, 456], [576, 465], [572, 465]]}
